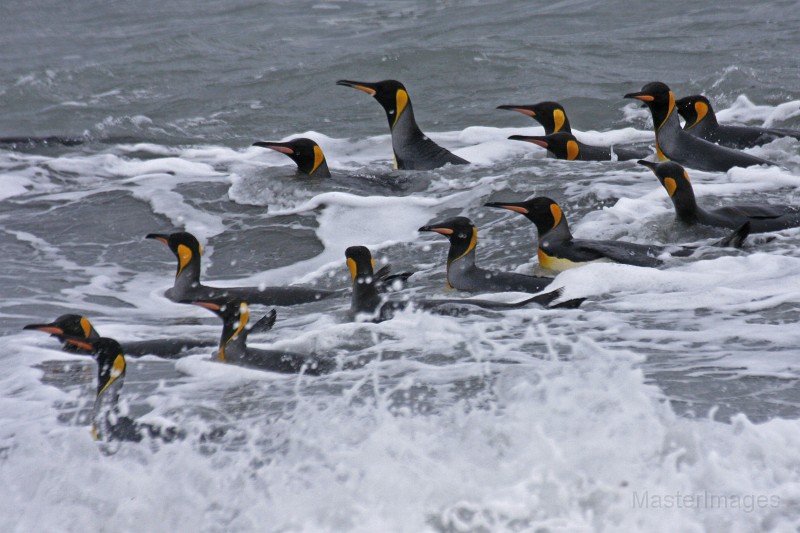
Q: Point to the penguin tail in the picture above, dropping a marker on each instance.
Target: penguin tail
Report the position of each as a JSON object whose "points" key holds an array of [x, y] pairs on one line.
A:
{"points": [[735, 239]]}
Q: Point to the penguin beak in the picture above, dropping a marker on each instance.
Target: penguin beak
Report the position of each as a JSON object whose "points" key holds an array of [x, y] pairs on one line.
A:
{"points": [[368, 88], [525, 110], [540, 141], [158, 237], [644, 97], [283, 148], [649, 164], [80, 343], [207, 305], [437, 229], [47, 328], [511, 206]]}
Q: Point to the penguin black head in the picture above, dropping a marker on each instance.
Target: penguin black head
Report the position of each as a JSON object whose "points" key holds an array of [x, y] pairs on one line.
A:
{"points": [[550, 115], [658, 97], [67, 326], [360, 263], [675, 180], [563, 145], [303, 151], [109, 356], [460, 231], [542, 211], [391, 94], [184, 245], [694, 109], [235, 315]]}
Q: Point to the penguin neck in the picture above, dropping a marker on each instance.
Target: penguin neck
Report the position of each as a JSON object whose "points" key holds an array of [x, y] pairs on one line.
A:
{"points": [[233, 342], [558, 234], [460, 260], [187, 279], [320, 172], [403, 127], [365, 297], [106, 405], [686, 207]]}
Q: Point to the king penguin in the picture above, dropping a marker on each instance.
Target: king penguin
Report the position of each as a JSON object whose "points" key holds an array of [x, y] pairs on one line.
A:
{"points": [[565, 146], [558, 250], [413, 150], [367, 304], [79, 327], [701, 121], [108, 423], [462, 272], [306, 153], [235, 315], [675, 144], [187, 284], [761, 217]]}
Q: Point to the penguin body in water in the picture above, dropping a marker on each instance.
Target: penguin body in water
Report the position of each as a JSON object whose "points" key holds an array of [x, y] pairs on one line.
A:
{"points": [[760, 217], [77, 326], [462, 272], [187, 286], [558, 250], [675, 144], [235, 315], [413, 150], [701, 121], [367, 304]]}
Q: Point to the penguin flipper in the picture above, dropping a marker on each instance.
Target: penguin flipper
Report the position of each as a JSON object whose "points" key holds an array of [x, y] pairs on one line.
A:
{"points": [[265, 323], [735, 239], [386, 282], [627, 253]]}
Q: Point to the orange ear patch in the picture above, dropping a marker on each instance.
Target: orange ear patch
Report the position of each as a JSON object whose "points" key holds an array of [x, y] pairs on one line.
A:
{"points": [[557, 214]]}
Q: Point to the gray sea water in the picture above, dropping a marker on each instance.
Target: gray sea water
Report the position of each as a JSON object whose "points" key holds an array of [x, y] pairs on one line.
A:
{"points": [[683, 379]]}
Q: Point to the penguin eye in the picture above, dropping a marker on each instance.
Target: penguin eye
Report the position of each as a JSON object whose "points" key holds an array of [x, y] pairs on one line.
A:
{"points": [[462, 235]]}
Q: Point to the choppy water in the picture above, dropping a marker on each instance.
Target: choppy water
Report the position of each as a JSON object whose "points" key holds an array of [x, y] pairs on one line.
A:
{"points": [[679, 379]]}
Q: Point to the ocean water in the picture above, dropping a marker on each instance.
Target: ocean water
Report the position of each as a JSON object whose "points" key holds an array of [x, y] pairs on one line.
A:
{"points": [[668, 402]]}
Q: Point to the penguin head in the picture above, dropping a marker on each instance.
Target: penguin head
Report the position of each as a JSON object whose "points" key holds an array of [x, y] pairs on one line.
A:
{"points": [[303, 151], [110, 360], [675, 180], [550, 115], [360, 263], [391, 94], [658, 97], [694, 109], [67, 326], [542, 211], [460, 231], [563, 145], [184, 245]]}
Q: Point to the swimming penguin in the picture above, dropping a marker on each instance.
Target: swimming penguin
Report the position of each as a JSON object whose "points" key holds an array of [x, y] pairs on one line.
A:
{"points": [[413, 150], [79, 327], [235, 315], [464, 275], [559, 251], [367, 303], [673, 143], [701, 122], [550, 115], [762, 218], [564, 145], [305, 152], [188, 287], [107, 422]]}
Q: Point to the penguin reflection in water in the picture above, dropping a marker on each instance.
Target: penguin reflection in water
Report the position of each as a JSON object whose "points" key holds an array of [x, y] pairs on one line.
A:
{"points": [[367, 304]]}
